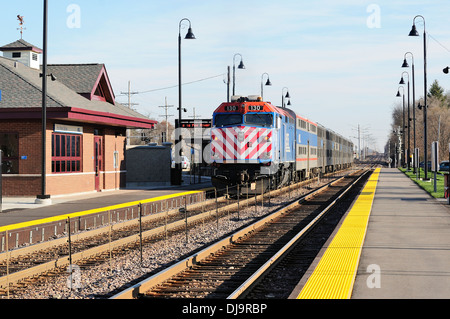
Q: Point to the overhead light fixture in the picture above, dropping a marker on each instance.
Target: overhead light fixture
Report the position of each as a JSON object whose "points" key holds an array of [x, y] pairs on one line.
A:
{"points": [[413, 32], [189, 34], [405, 64]]}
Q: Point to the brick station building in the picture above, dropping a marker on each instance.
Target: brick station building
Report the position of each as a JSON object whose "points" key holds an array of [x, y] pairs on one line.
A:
{"points": [[86, 128]]}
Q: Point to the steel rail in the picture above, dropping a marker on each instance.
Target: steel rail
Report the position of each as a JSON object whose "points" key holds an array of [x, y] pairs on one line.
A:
{"points": [[241, 290], [63, 261], [138, 289]]}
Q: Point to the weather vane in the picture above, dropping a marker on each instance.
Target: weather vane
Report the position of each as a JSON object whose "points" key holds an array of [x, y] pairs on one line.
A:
{"points": [[21, 22]]}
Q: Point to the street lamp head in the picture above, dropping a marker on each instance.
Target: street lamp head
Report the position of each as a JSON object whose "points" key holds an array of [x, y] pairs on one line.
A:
{"points": [[398, 94], [413, 32], [402, 81], [405, 64], [446, 70], [287, 95], [190, 34], [241, 65], [268, 83]]}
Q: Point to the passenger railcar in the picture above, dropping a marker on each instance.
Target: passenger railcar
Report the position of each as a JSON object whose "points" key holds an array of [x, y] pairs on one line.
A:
{"points": [[257, 145]]}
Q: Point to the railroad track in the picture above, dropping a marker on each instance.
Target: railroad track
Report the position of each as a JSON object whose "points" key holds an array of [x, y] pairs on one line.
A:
{"points": [[22, 267], [230, 267]]}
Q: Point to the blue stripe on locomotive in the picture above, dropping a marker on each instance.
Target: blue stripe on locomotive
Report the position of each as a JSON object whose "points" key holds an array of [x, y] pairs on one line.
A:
{"points": [[286, 140], [303, 137]]}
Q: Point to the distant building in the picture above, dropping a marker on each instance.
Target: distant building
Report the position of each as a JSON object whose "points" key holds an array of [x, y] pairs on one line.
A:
{"points": [[86, 128]]}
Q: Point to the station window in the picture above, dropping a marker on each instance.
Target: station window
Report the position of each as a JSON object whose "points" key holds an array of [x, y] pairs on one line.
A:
{"points": [[9, 144], [66, 153]]}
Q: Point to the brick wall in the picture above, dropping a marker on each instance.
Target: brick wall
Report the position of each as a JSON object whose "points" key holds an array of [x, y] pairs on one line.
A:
{"points": [[28, 181]]}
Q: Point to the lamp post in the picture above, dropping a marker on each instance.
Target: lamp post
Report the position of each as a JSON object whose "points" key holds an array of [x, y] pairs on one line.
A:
{"points": [[405, 65], [403, 124], [43, 197], [408, 153], [268, 83], [178, 137], [287, 96], [240, 66], [414, 32]]}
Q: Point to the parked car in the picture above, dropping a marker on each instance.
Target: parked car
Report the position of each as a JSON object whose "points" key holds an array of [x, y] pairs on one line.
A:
{"points": [[421, 165], [444, 166], [185, 164]]}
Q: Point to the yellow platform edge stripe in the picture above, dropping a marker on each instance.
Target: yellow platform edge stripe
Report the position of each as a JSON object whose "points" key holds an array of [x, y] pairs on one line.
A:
{"points": [[92, 211], [335, 274]]}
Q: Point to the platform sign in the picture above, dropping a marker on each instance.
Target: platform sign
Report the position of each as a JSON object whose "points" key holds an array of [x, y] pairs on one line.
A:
{"points": [[205, 123], [435, 156], [435, 162], [416, 161], [195, 129]]}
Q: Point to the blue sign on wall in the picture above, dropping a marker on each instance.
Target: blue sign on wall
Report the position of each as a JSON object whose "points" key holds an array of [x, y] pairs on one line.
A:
{"points": [[0, 95]]}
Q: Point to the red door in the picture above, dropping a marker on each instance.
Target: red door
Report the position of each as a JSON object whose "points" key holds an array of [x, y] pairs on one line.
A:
{"points": [[98, 160]]}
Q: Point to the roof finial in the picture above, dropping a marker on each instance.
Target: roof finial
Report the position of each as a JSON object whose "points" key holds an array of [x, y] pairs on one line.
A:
{"points": [[21, 22]]}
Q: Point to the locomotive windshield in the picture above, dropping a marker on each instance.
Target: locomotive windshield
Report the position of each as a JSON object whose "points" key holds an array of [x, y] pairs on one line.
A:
{"points": [[227, 119], [259, 119]]}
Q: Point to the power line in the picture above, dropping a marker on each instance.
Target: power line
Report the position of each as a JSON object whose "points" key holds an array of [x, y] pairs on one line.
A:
{"points": [[438, 42], [174, 86]]}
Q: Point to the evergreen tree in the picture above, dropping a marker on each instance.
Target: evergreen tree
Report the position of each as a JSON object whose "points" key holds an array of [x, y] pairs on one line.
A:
{"points": [[436, 91]]}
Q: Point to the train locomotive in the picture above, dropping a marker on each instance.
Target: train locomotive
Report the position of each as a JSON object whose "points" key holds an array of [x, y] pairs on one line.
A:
{"points": [[258, 146]]}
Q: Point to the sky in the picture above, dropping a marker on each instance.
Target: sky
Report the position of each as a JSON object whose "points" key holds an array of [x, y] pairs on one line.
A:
{"points": [[340, 60]]}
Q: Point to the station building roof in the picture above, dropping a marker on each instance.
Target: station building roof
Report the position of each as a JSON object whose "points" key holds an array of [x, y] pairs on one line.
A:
{"points": [[76, 92]]}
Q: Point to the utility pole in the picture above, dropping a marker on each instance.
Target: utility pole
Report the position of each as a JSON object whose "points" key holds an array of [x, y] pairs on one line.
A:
{"points": [[359, 142], [195, 117], [129, 93], [166, 107]]}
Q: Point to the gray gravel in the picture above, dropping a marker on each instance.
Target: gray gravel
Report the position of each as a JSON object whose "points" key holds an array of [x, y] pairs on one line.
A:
{"points": [[90, 283]]}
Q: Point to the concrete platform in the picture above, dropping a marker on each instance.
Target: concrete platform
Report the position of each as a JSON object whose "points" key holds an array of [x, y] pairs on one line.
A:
{"points": [[406, 252], [19, 210]]}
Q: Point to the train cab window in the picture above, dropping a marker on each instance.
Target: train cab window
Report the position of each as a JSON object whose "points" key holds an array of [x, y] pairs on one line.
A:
{"points": [[259, 119], [221, 120]]}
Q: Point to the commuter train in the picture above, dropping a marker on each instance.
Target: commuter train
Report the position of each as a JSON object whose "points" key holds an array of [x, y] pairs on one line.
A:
{"points": [[257, 145]]}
